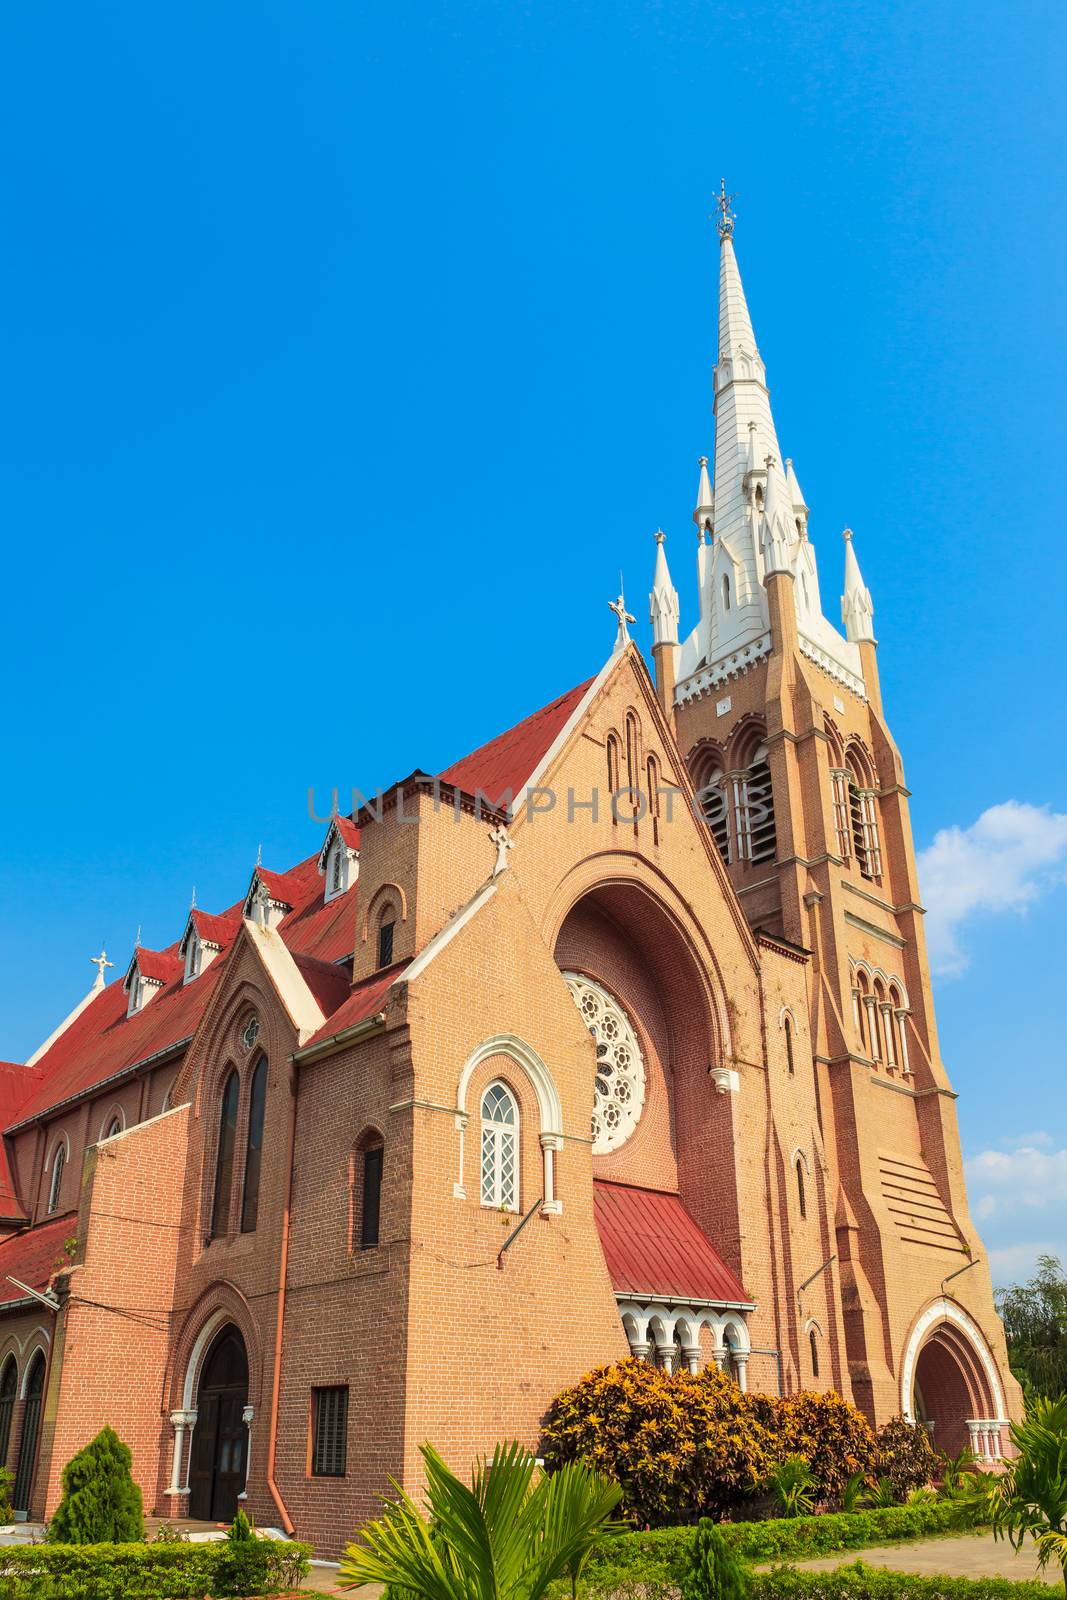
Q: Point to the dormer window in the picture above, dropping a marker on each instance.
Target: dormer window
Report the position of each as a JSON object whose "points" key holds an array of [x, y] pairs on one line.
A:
{"points": [[205, 937], [269, 898], [194, 952], [339, 857], [147, 973]]}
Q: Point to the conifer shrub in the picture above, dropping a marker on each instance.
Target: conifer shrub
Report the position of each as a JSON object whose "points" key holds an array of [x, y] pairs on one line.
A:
{"points": [[101, 1504], [714, 1571], [905, 1456]]}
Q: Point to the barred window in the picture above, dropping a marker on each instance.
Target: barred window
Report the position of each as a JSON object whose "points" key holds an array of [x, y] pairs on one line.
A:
{"points": [[385, 943], [329, 1431], [371, 1210]]}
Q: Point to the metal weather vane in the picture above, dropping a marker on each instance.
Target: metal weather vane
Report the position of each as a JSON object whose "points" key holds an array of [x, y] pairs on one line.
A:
{"points": [[724, 216]]}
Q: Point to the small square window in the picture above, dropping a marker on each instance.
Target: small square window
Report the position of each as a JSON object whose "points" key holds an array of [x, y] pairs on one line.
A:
{"points": [[385, 943], [329, 1431]]}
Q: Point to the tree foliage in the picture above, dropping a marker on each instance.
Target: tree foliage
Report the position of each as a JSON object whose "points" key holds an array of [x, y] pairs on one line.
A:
{"points": [[1029, 1501], [101, 1504], [506, 1537], [833, 1437], [905, 1456], [1035, 1320]]}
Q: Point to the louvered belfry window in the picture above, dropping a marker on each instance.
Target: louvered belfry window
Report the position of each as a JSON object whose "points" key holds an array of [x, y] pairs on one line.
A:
{"points": [[329, 1431]]}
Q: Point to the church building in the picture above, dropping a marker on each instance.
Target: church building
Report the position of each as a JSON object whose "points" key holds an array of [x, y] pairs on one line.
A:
{"points": [[616, 1036]]}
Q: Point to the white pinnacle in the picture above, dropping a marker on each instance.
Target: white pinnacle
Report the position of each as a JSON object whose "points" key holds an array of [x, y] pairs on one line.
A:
{"points": [[857, 607], [663, 601]]}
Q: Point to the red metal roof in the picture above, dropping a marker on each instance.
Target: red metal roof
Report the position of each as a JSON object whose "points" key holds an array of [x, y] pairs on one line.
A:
{"points": [[215, 930], [508, 762], [330, 984], [35, 1255], [17, 1083], [652, 1246], [365, 1000], [160, 965]]}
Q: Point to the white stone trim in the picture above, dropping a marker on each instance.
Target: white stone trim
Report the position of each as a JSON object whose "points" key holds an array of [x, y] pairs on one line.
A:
{"points": [[43, 1343], [550, 1111], [945, 1310]]}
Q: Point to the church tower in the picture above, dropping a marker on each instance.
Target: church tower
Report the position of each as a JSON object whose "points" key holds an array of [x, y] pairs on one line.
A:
{"points": [[779, 716]]}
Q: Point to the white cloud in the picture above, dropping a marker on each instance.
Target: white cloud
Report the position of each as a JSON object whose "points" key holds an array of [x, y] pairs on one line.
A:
{"points": [[1020, 1198], [1007, 859]]}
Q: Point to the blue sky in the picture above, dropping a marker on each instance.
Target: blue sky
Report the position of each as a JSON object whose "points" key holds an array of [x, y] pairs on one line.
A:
{"points": [[349, 351]]}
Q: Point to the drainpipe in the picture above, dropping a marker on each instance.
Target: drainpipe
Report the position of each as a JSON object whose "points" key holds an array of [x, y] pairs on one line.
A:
{"points": [[283, 1270]]}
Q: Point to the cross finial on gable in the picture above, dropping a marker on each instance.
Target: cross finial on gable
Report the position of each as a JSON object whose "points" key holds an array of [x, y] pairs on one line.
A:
{"points": [[100, 962], [499, 837], [623, 617]]}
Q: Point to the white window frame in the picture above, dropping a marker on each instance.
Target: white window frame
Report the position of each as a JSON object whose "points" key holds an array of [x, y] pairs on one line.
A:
{"points": [[496, 1137]]}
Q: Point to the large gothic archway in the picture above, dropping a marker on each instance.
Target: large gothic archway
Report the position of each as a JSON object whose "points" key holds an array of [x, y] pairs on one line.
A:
{"points": [[950, 1382]]}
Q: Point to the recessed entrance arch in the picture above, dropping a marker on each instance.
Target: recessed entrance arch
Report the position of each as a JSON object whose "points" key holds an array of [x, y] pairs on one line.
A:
{"points": [[950, 1382], [220, 1441], [33, 1397]]}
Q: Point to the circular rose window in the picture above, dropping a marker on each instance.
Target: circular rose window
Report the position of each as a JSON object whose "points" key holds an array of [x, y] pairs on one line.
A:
{"points": [[620, 1068]]}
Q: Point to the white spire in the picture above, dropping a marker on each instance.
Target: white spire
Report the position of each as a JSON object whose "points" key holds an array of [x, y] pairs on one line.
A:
{"points": [[760, 516], [663, 601], [704, 510], [857, 607]]}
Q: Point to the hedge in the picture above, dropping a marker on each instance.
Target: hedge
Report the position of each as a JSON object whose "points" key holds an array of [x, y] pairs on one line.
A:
{"points": [[173, 1570], [660, 1556], [860, 1582]]}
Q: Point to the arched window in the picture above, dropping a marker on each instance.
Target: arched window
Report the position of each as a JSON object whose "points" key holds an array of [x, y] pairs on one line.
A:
{"points": [[9, 1383], [614, 779], [842, 825], [257, 1104], [192, 958], [220, 1209], [337, 870], [710, 783], [789, 1061], [652, 778], [726, 591], [370, 1215], [113, 1127], [801, 1197], [59, 1161], [500, 1147], [863, 819], [386, 930], [814, 1343], [754, 810], [878, 1018]]}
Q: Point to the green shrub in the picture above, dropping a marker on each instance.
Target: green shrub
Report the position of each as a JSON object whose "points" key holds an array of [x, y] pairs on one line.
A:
{"points": [[679, 1445], [790, 1484], [240, 1528], [905, 1456], [833, 1437], [860, 1582], [7, 1480], [658, 1558], [100, 1500], [714, 1572], [174, 1570]]}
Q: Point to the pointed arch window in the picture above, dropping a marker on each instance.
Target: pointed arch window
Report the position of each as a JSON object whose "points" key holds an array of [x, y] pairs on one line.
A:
{"points": [[500, 1147], [842, 817], [59, 1161], [813, 1341], [726, 591], [220, 1208], [802, 1199], [371, 1198], [652, 773], [754, 810], [711, 792], [614, 780], [863, 822], [257, 1106], [9, 1383], [789, 1060], [114, 1127]]}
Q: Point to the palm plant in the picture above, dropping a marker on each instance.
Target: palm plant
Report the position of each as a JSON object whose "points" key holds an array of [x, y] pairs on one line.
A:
{"points": [[791, 1484], [506, 1537], [854, 1494], [1029, 1500], [958, 1473], [883, 1494]]}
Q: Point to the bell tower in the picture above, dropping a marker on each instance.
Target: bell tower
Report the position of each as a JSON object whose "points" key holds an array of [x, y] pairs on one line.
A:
{"points": [[779, 716]]}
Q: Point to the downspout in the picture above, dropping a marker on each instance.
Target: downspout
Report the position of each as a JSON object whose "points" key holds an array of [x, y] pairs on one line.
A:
{"points": [[283, 1271]]}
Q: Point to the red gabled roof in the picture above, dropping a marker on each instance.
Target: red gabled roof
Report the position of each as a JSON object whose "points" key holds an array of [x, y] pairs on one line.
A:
{"points": [[103, 1041], [17, 1083], [35, 1255], [365, 1000], [508, 762], [215, 930], [652, 1246], [160, 965], [348, 831]]}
